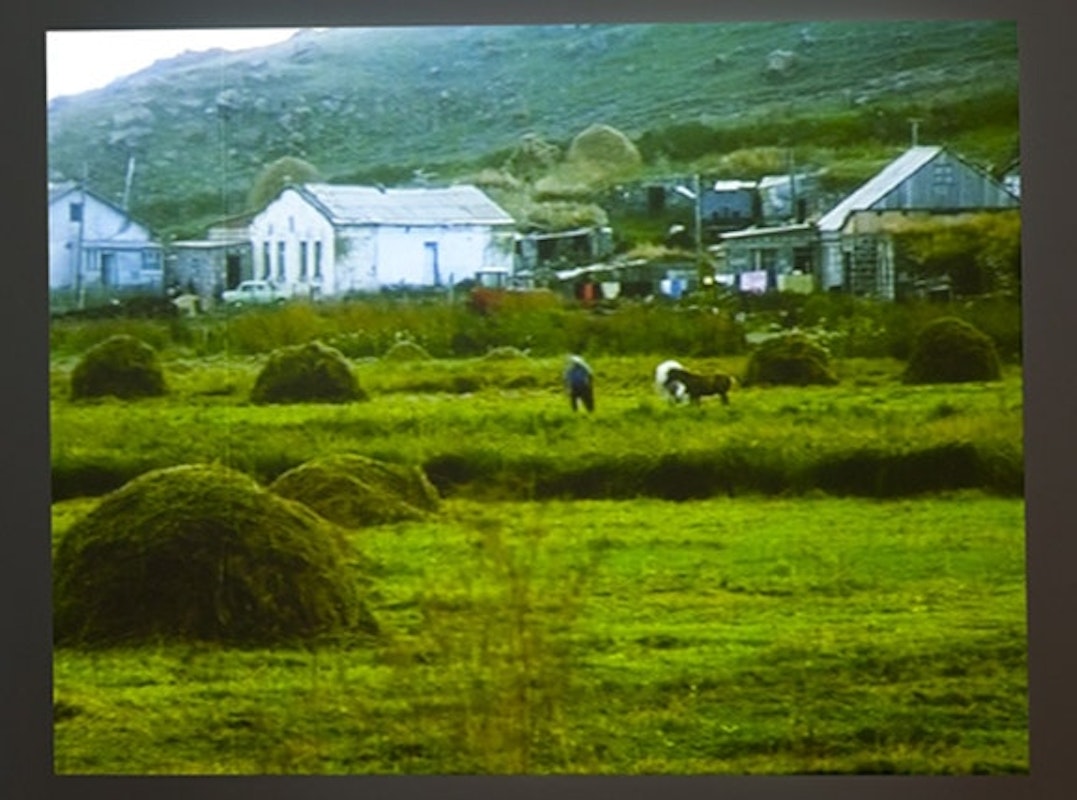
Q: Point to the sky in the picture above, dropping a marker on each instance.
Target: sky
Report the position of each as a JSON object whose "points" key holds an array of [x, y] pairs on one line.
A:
{"points": [[78, 61]]}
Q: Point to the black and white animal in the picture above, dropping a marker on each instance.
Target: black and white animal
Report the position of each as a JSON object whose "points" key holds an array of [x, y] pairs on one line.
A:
{"points": [[580, 383], [678, 384]]}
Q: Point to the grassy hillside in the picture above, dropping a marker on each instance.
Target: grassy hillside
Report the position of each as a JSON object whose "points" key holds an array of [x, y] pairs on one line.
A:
{"points": [[364, 104]]}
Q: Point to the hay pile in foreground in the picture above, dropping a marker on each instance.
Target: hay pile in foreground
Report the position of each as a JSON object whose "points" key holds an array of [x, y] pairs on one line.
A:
{"points": [[202, 552], [122, 366], [356, 491], [307, 373]]}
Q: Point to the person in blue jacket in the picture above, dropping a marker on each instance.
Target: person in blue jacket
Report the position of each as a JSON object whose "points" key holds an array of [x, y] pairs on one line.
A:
{"points": [[580, 383]]}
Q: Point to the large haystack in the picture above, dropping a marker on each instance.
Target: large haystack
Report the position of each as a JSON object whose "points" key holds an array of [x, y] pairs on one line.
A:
{"points": [[950, 350], [308, 373], [122, 366], [356, 491], [792, 359], [604, 147], [202, 552]]}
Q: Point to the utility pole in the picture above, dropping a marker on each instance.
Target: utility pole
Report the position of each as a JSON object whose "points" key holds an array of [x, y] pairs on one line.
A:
{"points": [[915, 123], [127, 182], [698, 220], [80, 294]]}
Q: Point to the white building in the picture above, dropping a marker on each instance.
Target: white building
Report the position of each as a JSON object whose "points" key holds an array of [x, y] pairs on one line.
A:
{"points": [[95, 248], [324, 239]]}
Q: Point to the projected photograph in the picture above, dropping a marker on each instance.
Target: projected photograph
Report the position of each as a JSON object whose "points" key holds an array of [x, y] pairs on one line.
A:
{"points": [[592, 399]]}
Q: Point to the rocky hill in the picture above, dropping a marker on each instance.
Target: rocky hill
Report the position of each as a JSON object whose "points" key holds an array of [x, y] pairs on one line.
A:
{"points": [[381, 104]]}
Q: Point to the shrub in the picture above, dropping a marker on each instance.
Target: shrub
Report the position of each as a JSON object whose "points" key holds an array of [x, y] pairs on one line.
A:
{"points": [[202, 552], [122, 366], [792, 359], [950, 350], [312, 372], [356, 491]]}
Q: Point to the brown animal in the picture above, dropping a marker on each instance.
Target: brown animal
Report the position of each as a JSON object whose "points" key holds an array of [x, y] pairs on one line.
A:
{"points": [[698, 386]]}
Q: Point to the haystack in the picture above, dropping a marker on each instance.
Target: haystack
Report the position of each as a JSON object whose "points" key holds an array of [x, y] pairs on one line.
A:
{"points": [[604, 147], [122, 366], [308, 373], [406, 350], [792, 359], [950, 350], [202, 552], [356, 491]]}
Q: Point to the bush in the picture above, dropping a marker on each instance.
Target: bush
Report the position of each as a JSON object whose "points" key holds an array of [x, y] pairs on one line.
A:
{"points": [[356, 491], [792, 359], [122, 366], [202, 552], [312, 372], [950, 350]]}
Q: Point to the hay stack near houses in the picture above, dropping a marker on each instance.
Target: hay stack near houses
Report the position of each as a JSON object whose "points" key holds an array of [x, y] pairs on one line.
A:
{"points": [[121, 366], [308, 373], [790, 360]]}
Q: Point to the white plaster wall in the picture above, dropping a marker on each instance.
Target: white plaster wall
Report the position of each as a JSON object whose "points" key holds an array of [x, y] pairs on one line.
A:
{"points": [[403, 256], [291, 220]]}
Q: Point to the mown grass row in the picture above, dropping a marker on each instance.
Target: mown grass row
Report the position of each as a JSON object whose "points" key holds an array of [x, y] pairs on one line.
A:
{"points": [[510, 433]]}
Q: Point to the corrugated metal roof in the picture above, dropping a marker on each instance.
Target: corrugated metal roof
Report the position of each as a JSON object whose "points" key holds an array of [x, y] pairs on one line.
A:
{"points": [[357, 205], [58, 190], [892, 175]]}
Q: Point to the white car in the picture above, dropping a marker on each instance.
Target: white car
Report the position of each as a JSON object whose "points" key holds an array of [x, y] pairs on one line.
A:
{"points": [[250, 293]]}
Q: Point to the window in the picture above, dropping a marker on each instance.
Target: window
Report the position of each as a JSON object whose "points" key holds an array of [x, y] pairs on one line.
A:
{"points": [[280, 261], [265, 261], [151, 260], [302, 261], [317, 260], [74, 212]]}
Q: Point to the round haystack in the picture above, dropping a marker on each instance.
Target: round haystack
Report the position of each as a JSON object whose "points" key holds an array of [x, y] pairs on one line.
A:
{"points": [[406, 350], [122, 366], [306, 373], [950, 350], [792, 360], [604, 146], [202, 552], [356, 491]]}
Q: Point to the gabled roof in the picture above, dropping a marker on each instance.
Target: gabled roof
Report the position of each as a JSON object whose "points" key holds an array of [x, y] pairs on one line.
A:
{"points": [[891, 176], [358, 205]]}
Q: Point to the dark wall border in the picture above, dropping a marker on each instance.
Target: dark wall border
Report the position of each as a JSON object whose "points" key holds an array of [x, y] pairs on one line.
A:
{"points": [[1048, 103]]}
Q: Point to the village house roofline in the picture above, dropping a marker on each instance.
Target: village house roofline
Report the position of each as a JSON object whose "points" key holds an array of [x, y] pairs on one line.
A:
{"points": [[371, 205], [58, 191], [884, 182], [748, 233]]}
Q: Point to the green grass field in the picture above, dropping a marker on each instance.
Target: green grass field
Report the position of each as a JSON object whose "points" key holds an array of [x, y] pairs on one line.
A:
{"points": [[720, 636], [808, 580]]}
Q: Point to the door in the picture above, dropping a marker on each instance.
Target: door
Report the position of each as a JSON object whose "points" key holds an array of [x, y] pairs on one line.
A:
{"points": [[431, 271], [108, 269], [232, 271]]}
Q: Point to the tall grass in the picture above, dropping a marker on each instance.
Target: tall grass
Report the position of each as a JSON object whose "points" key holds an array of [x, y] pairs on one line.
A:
{"points": [[545, 325]]}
